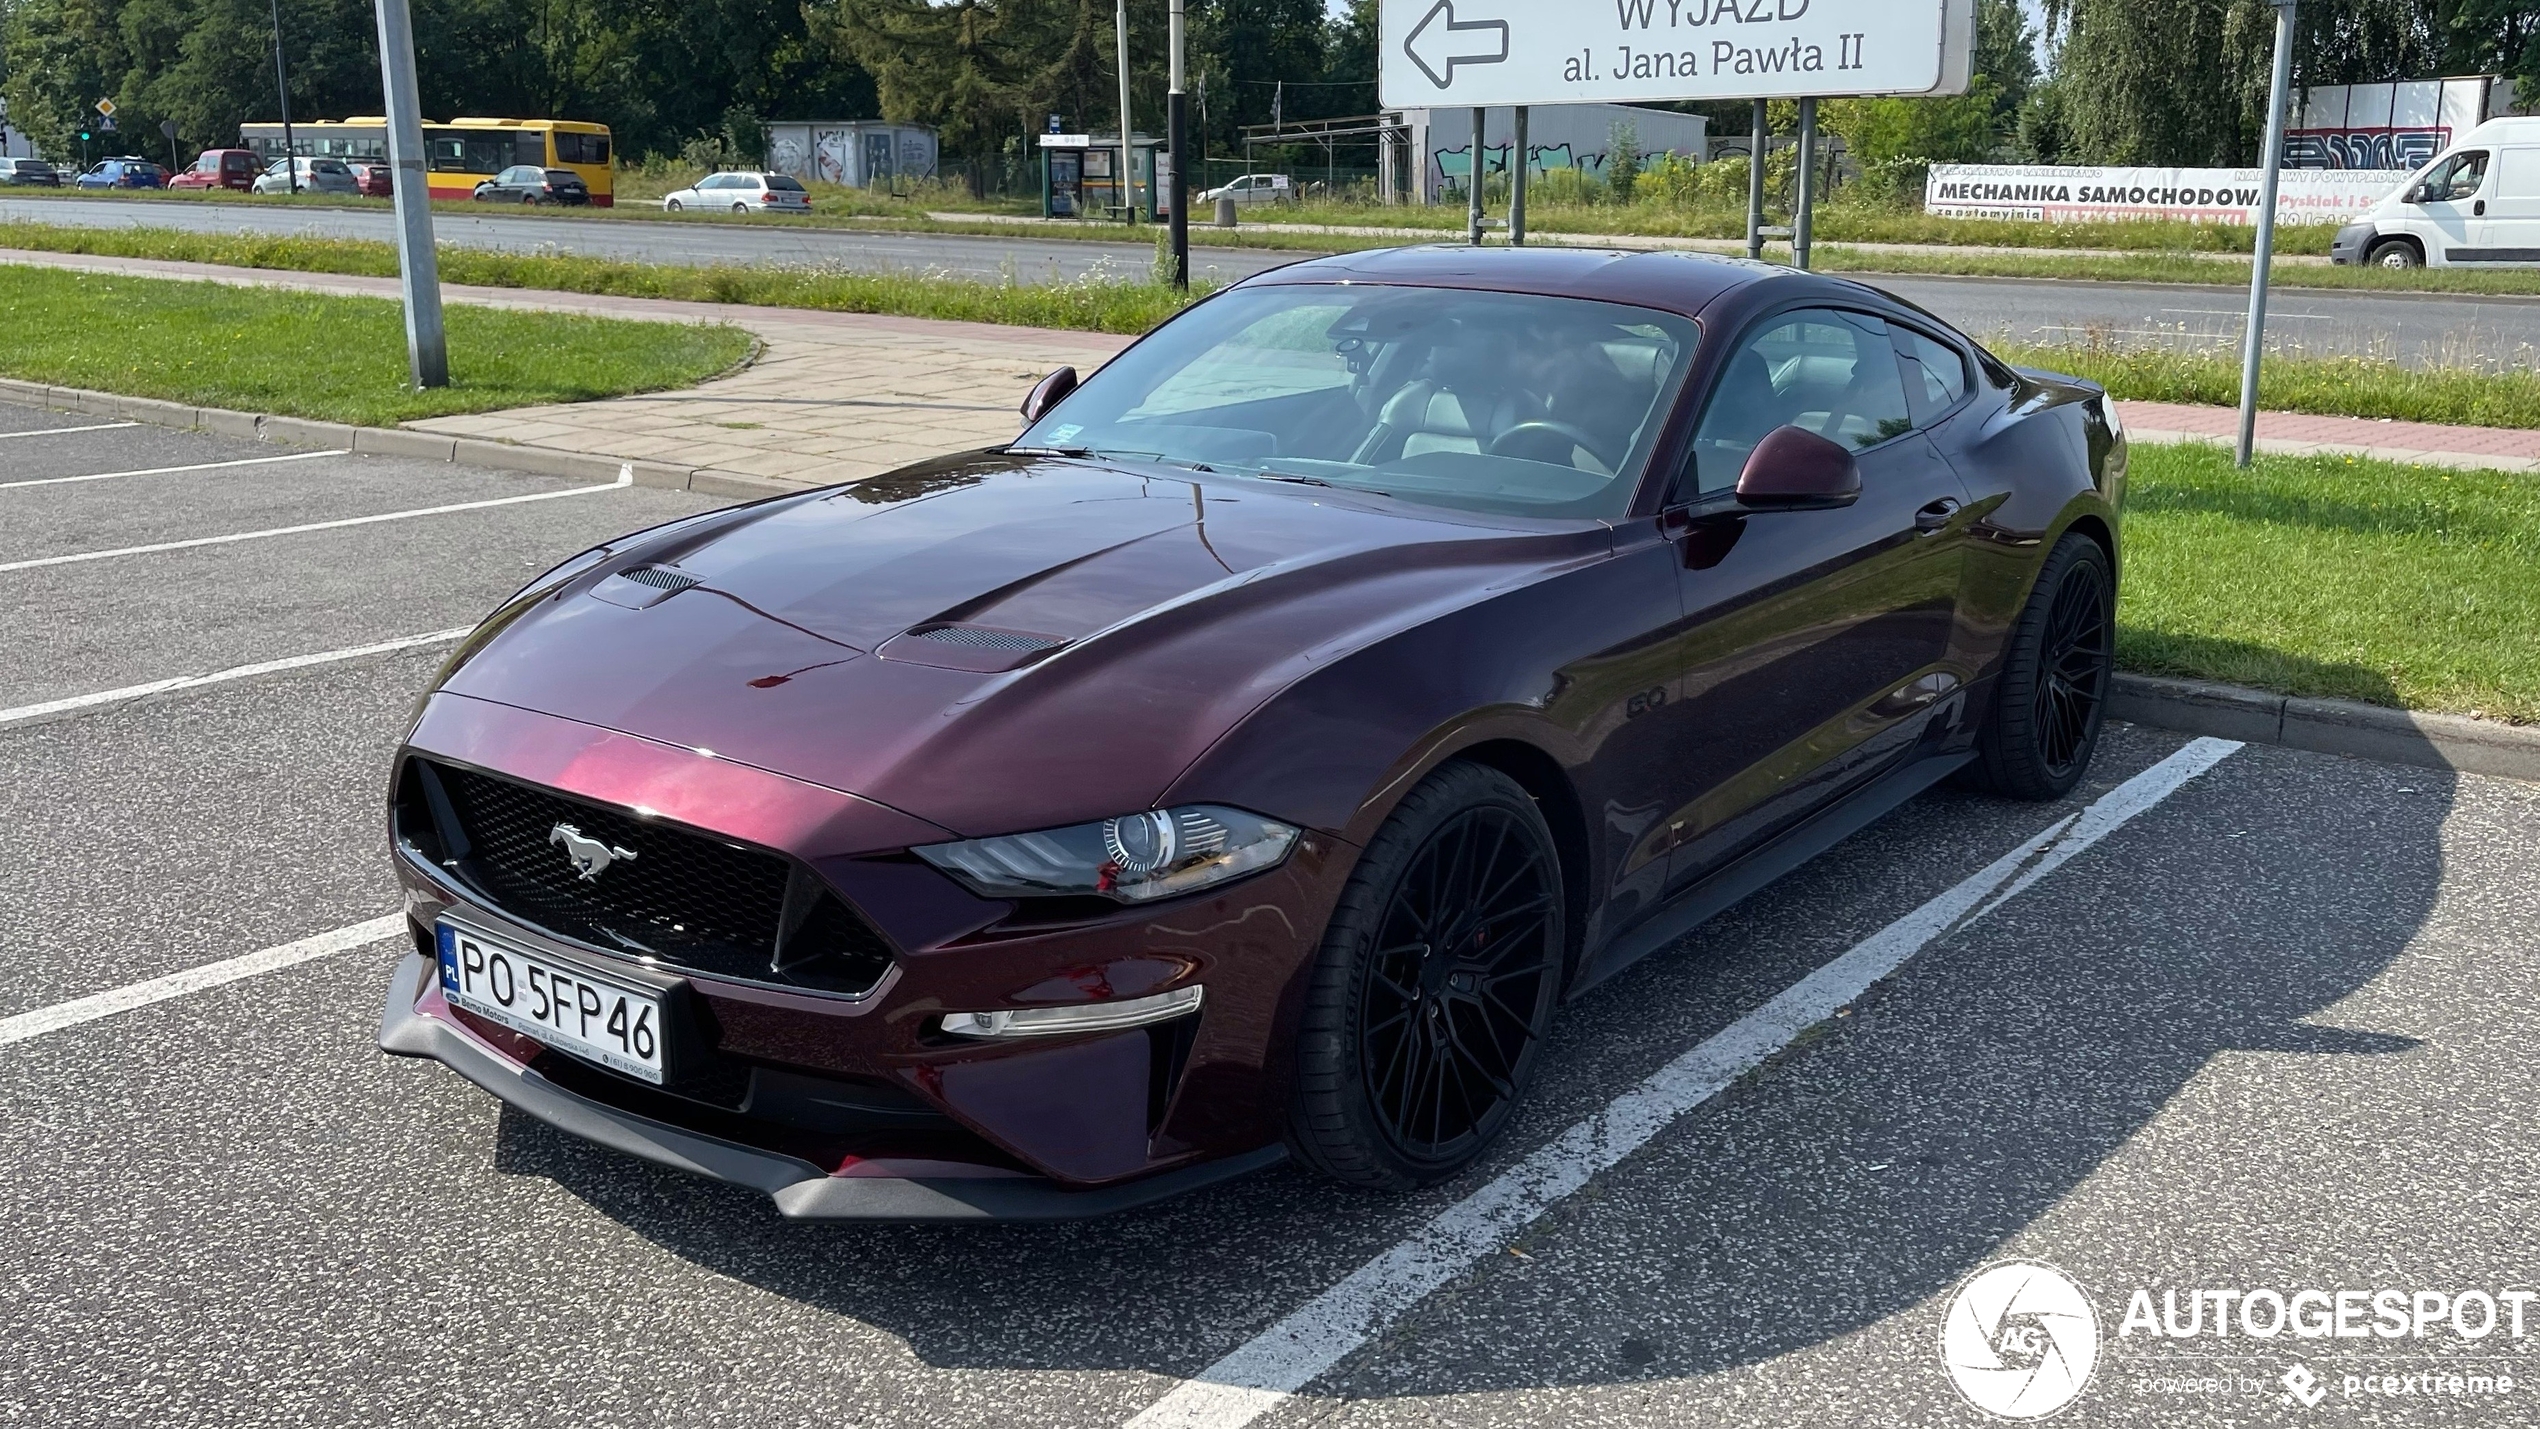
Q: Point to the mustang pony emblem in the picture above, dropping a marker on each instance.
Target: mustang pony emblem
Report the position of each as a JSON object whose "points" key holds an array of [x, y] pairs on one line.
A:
{"points": [[591, 857]]}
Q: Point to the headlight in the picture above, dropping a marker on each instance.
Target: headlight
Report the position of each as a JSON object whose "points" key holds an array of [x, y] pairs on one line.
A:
{"points": [[1134, 858]]}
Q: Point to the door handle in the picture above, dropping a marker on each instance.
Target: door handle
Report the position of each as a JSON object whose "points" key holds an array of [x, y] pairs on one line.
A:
{"points": [[1936, 515], [2479, 208]]}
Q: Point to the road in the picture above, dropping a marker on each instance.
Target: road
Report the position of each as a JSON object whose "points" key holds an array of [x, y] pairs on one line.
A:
{"points": [[2417, 330], [2273, 1032]]}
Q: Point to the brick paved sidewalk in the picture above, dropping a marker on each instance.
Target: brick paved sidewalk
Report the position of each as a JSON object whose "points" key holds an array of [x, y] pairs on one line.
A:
{"points": [[841, 396]]}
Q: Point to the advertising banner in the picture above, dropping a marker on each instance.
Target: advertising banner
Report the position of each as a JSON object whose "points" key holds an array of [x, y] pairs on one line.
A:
{"points": [[2063, 195]]}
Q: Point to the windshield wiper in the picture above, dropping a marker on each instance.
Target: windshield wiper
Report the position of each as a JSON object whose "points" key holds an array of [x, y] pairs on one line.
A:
{"points": [[1295, 480], [1052, 451]]}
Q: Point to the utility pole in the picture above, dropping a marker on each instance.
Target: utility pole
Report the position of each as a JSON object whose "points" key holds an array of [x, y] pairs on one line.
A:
{"points": [[282, 86], [1128, 173], [1803, 224], [2253, 347], [418, 267], [1473, 184], [1517, 182], [1755, 190], [1176, 136]]}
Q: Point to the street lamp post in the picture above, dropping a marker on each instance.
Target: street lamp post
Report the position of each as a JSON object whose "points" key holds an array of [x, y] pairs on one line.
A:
{"points": [[2253, 347], [1128, 173], [282, 86], [1176, 138], [418, 267]]}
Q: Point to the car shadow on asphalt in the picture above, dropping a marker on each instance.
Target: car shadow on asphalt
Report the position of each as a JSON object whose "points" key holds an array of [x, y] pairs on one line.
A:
{"points": [[1855, 1178]]}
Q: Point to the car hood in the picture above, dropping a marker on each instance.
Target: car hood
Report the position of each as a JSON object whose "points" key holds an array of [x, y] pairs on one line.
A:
{"points": [[997, 642]]}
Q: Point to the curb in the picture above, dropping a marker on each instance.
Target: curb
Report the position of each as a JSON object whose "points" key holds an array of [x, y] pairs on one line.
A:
{"points": [[397, 442], [2358, 731]]}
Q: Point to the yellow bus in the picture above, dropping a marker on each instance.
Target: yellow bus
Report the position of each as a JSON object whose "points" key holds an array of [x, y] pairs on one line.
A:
{"points": [[460, 154]]}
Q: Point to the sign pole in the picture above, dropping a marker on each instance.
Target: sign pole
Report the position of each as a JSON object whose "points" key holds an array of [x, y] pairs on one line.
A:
{"points": [[282, 86], [1803, 226], [1517, 183], [1128, 170], [1755, 190], [1473, 184], [2253, 346], [1177, 135], [418, 267]]}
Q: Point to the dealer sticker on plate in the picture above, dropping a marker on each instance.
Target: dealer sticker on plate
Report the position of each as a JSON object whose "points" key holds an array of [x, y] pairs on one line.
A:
{"points": [[614, 1024]]}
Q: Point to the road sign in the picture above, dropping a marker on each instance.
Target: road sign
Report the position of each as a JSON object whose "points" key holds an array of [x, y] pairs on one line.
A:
{"points": [[106, 107], [1453, 53], [107, 124]]}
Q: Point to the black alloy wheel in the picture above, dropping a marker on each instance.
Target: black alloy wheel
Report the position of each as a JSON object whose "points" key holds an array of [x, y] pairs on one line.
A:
{"points": [[2052, 697], [1435, 985]]}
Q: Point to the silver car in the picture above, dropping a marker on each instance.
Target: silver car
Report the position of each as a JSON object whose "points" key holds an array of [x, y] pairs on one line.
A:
{"points": [[741, 193], [316, 176]]}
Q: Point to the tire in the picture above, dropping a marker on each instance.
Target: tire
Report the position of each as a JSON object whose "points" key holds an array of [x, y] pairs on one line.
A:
{"points": [[741, 208], [2051, 699], [529, 200], [673, 205], [1408, 1063], [2395, 253]]}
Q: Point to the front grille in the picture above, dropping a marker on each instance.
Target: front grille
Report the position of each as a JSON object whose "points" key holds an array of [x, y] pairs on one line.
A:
{"points": [[972, 637], [660, 892]]}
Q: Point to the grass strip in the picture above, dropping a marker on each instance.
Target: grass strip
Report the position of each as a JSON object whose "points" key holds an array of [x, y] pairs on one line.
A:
{"points": [[2319, 386], [2351, 387], [1086, 305], [2362, 580], [337, 359]]}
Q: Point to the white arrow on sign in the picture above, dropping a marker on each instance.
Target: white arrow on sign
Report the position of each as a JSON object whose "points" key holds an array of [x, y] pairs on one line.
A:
{"points": [[1438, 48]]}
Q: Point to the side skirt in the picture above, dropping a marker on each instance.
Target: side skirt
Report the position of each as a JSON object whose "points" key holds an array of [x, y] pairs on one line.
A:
{"points": [[1723, 890]]}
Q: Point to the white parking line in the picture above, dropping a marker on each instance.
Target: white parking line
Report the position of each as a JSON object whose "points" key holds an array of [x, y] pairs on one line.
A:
{"points": [[625, 479], [178, 984], [1262, 1373], [66, 431], [235, 672], [161, 470]]}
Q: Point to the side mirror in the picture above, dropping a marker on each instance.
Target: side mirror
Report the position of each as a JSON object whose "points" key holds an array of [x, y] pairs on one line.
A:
{"points": [[1794, 469], [1048, 393]]}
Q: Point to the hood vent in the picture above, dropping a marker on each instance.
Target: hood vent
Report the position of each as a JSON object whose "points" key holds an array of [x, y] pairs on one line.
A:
{"points": [[973, 637], [661, 578]]}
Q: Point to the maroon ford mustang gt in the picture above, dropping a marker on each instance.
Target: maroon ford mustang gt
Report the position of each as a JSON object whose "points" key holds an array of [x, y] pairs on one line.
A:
{"points": [[1247, 760]]}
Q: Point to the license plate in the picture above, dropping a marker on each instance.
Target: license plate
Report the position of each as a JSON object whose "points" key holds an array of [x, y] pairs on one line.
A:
{"points": [[615, 1024]]}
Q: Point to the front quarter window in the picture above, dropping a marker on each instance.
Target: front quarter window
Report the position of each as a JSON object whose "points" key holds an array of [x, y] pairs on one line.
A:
{"points": [[1511, 403]]}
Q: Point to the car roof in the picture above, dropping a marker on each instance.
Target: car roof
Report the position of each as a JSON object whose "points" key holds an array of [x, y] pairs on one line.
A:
{"points": [[1677, 282]]}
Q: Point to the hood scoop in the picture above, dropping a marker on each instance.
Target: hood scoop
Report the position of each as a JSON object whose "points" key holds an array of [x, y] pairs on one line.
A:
{"points": [[643, 587], [982, 649]]}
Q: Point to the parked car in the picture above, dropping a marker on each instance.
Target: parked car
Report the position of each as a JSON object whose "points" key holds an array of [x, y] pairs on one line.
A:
{"points": [[314, 176], [1249, 759], [2476, 205], [528, 183], [742, 193], [372, 178], [220, 169], [1252, 188], [123, 174], [29, 173]]}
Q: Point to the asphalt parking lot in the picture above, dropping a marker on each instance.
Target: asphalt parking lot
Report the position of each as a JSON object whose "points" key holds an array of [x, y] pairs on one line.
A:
{"points": [[2262, 1024]]}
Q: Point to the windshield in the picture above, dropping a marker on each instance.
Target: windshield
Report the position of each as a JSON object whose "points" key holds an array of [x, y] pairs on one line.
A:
{"points": [[1503, 402]]}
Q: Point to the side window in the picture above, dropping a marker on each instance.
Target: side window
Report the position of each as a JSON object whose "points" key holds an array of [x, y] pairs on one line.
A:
{"points": [[2457, 178], [1935, 374], [1829, 372]]}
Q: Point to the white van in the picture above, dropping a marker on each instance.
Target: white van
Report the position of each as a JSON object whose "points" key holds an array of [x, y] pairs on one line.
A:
{"points": [[2476, 205]]}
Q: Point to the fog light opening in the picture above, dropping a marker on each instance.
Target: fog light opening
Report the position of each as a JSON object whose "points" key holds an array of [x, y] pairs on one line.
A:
{"points": [[1078, 1017]]}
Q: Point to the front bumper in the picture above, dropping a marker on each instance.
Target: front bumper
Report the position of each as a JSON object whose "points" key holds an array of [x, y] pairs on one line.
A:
{"points": [[2350, 245], [801, 1189]]}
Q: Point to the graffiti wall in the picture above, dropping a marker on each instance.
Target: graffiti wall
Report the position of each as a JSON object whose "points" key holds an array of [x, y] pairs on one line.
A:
{"points": [[2390, 126], [1563, 136]]}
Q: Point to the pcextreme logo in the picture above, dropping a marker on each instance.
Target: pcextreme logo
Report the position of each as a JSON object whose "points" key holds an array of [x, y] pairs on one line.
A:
{"points": [[2020, 1339]]}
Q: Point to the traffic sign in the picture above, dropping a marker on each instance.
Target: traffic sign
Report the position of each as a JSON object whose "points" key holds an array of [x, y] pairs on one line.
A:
{"points": [[1454, 53], [107, 124], [106, 107]]}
